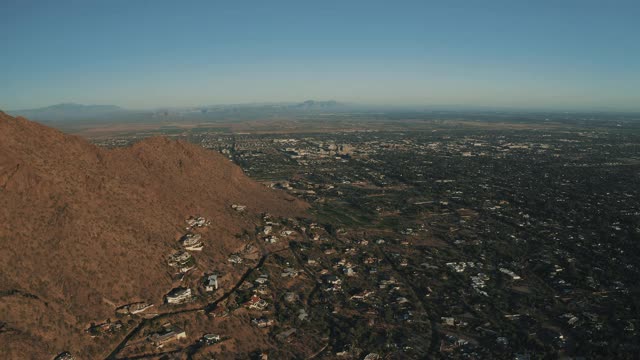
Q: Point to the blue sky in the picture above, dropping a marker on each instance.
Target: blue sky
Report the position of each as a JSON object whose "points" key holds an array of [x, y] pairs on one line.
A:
{"points": [[560, 54]]}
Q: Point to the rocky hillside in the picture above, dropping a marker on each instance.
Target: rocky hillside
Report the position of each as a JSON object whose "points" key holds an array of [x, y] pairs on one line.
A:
{"points": [[85, 229]]}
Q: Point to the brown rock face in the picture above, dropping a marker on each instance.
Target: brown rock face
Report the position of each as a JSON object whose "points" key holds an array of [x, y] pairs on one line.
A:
{"points": [[83, 228]]}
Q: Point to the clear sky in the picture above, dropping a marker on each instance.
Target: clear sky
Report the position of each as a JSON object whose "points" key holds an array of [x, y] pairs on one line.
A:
{"points": [[141, 54]]}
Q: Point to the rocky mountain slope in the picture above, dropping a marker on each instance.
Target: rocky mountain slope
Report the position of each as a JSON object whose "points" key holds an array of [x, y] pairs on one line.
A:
{"points": [[85, 229]]}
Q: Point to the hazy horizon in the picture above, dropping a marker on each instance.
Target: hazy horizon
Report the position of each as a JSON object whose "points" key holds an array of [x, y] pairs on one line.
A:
{"points": [[341, 106], [574, 55]]}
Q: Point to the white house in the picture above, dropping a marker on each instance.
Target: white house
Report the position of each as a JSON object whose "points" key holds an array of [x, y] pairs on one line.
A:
{"points": [[178, 295], [211, 283]]}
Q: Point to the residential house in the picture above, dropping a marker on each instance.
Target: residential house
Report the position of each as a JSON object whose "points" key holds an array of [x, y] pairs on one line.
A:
{"points": [[179, 295], [192, 242], [210, 339], [257, 303], [262, 322], [167, 334], [211, 283], [64, 356]]}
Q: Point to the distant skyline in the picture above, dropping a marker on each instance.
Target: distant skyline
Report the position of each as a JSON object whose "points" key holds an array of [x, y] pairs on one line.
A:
{"points": [[557, 55]]}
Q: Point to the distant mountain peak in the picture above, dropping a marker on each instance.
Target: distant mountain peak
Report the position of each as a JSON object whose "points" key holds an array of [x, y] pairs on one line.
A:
{"points": [[315, 104], [72, 105], [68, 111]]}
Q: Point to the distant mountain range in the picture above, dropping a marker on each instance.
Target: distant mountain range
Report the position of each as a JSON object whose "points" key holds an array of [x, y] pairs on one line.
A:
{"points": [[74, 114], [69, 111], [312, 104], [78, 112]]}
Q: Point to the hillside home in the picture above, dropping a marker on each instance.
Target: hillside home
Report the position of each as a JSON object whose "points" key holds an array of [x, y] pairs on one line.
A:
{"points": [[256, 303], [167, 334], [179, 295], [211, 283]]}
